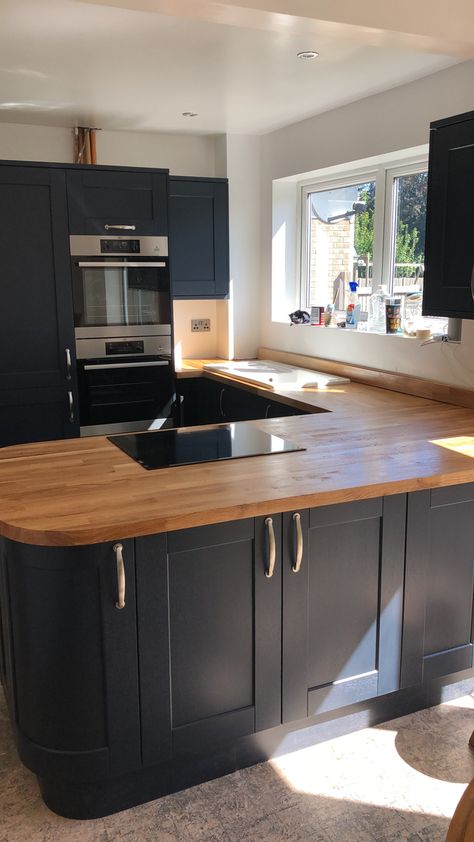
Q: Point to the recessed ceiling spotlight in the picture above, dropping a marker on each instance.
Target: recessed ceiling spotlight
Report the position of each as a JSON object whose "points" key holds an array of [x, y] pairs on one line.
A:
{"points": [[189, 113], [308, 54]]}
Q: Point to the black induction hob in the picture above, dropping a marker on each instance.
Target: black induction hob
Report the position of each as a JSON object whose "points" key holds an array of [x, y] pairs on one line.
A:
{"points": [[167, 448]]}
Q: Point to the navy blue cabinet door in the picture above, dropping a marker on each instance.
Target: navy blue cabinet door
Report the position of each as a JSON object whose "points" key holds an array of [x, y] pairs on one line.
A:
{"points": [[209, 627], [438, 614], [101, 201], [342, 609], [199, 237], [74, 688], [37, 382], [449, 252]]}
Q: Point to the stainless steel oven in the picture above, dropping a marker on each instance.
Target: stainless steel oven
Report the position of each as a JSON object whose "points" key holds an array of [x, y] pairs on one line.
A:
{"points": [[121, 286], [122, 322]]}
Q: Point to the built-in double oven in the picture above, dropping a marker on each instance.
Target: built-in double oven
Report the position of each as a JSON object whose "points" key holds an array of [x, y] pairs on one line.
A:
{"points": [[122, 320]]}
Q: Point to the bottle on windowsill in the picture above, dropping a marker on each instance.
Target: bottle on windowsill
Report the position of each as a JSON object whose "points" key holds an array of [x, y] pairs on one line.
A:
{"points": [[353, 308], [376, 321]]}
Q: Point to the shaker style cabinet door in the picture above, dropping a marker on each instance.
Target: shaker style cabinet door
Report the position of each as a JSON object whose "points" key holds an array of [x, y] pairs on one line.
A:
{"points": [[449, 251], [438, 614], [117, 203], [209, 636], [342, 604], [37, 367], [199, 237]]}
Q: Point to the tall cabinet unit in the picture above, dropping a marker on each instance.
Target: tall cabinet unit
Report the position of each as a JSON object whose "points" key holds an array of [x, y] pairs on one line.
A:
{"points": [[449, 251], [38, 392]]}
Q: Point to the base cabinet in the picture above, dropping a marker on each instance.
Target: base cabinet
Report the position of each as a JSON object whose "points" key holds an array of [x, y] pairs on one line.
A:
{"points": [[233, 636], [205, 401], [342, 610], [438, 620]]}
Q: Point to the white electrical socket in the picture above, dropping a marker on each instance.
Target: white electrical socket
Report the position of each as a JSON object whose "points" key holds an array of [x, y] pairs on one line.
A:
{"points": [[200, 325]]}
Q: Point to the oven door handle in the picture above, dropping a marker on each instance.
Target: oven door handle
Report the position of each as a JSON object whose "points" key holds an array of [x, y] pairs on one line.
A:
{"points": [[103, 366], [106, 264]]}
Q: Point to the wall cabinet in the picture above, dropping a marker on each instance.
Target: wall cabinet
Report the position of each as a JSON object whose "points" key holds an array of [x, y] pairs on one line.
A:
{"points": [[103, 201], [37, 360], [199, 237], [205, 401], [449, 250]]}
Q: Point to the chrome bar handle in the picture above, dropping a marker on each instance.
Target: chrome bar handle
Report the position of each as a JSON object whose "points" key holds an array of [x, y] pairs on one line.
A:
{"points": [[120, 227], [271, 548], [68, 363], [472, 282], [221, 402], [296, 566], [71, 407], [120, 576]]}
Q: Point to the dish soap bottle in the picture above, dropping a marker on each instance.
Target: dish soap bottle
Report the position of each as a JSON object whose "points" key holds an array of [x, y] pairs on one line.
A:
{"points": [[376, 322], [353, 309]]}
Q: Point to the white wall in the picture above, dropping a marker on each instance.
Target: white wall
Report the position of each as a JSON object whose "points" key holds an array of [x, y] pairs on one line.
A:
{"points": [[182, 154], [387, 122]]}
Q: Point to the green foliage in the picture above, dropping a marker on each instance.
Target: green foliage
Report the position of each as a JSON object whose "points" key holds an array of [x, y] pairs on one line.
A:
{"points": [[364, 222], [405, 249]]}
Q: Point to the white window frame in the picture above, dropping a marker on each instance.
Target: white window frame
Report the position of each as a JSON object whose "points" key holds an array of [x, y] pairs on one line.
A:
{"points": [[384, 175]]}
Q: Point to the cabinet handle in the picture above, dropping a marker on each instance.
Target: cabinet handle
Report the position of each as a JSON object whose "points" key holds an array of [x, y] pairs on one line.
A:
{"points": [[120, 576], [267, 411], [221, 402], [70, 398], [271, 548], [296, 566], [68, 363], [120, 227], [472, 282]]}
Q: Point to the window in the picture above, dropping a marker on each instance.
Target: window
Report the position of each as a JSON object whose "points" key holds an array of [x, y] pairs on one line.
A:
{"points": [[367, 226]]}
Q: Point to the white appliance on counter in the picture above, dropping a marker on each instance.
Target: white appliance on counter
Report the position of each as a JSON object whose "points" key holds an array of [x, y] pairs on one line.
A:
{"points": [[277, 375]]}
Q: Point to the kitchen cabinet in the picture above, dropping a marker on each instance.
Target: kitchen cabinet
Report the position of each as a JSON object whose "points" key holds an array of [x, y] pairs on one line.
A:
{"points": [[70, 665], [439, 591], [205, 401], [217, 636], [449, 251], [37, 360], [199, 237], [117, 202], [342, 604], [231, 634]]}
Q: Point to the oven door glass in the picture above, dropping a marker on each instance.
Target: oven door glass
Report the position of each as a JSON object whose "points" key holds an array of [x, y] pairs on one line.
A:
{"points": [[119, 293]]}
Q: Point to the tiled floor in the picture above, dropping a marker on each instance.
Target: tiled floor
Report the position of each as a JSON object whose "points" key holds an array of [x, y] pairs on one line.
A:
{"points": [[398, 782]]}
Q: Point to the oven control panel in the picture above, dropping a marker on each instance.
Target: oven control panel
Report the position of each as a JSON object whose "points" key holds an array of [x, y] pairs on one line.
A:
{"points": [[125, 346], [119, 246]]}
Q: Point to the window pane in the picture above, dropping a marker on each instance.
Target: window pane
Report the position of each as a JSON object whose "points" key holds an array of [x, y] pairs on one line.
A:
{"points": [[408, 233], [340, 243]]}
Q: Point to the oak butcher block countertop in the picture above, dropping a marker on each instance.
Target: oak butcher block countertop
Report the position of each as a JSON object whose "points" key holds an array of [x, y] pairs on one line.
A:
{"points": [[366, 442]]}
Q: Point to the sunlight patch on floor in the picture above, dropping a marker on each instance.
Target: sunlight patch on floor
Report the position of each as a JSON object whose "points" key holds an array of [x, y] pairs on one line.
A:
{"points": [[365, 767]]}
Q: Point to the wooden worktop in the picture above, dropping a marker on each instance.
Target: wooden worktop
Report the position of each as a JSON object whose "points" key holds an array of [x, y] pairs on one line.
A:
{"points": [[369, 442]]}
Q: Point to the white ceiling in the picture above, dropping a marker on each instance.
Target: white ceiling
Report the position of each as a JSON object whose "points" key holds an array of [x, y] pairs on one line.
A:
{"points": [[66, 62]]}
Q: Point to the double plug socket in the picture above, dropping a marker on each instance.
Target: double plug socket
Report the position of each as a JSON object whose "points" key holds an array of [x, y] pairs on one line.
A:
{"points": [[200, 325]]}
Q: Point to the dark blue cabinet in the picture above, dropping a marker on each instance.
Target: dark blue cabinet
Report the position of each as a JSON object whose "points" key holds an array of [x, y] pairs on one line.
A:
{"points": [[199, 237], [449, 251], [342, 609], [38, 393], [439, 590], [104, 200]]}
